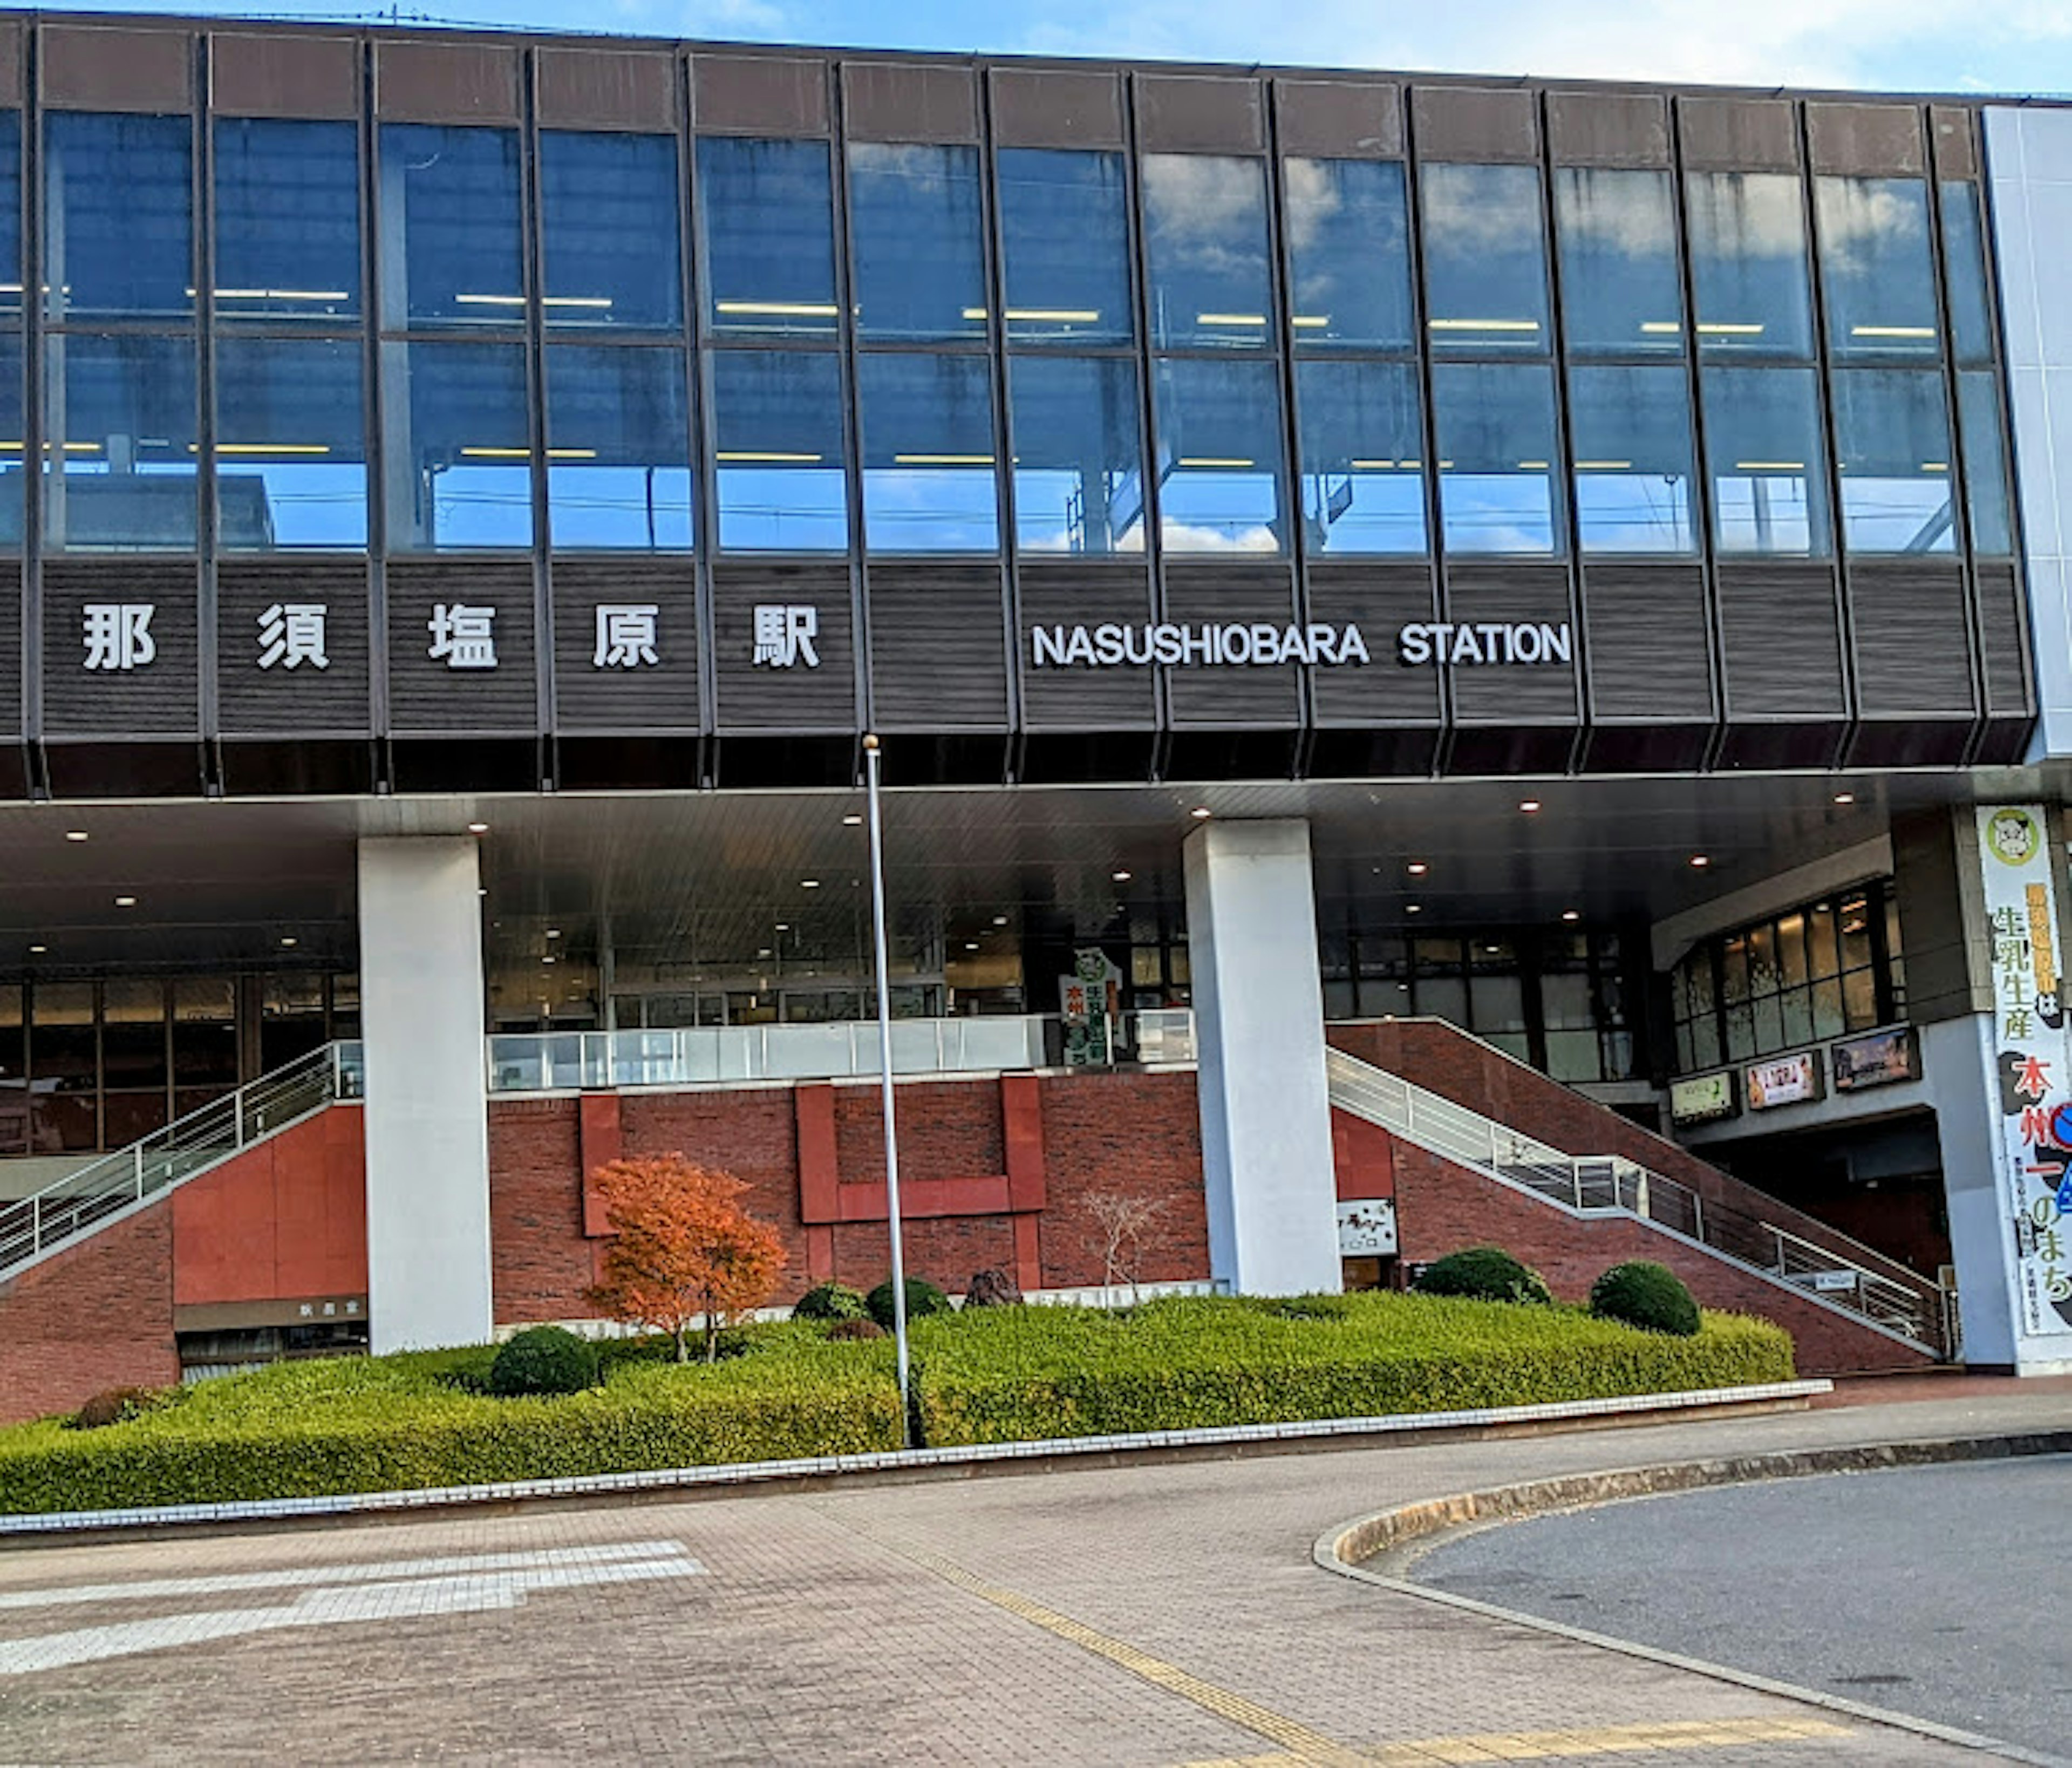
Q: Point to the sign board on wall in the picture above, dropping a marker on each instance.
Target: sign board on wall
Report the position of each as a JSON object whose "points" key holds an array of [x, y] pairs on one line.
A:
{"points": [[1704, 1098], [1366, 1228], [1880, 1059], [1785, 1080]]}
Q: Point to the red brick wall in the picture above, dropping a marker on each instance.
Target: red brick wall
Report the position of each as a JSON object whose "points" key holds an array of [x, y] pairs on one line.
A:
{"points": [[1441, 1208], [99, 1315], [1139, 1134]]}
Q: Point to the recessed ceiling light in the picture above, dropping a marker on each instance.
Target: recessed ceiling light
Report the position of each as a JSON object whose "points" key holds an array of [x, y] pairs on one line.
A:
{"points": [[548, 959], [1528, 805], [784, 927], [38, 950], [1845, 798], [1201, 813], [763, 952], [1414, 908], [809, 883], [1417, 868], [75, 835], [1121, 877], [481, 889], [1572, 914], [553, 933], [478, 828], [971, 945], [1701, 861], [125, 901], [999, 920], [853, 820], [288, 939]]}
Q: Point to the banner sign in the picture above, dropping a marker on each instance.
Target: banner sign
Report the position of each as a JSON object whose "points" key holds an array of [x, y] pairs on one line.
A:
{"points": [[2031, 1055], [1704, 1098], [1785, 1080], [1878, 1060]]}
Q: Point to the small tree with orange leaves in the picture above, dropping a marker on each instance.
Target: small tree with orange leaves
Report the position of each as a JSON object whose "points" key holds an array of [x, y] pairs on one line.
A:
{"points": [[684, 1247]]}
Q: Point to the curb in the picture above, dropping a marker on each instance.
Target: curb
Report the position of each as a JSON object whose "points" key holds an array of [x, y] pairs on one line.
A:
{"points": [[1398, 1537], [1392, 1430]]}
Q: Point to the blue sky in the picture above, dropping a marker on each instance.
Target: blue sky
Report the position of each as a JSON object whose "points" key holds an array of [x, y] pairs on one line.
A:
{"points": [[2018, 45]]}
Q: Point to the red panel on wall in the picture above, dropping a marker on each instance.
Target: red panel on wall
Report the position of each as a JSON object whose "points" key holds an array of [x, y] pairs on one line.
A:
{"points": [[1362, 1157], [283, 1220], [600, 1140]]}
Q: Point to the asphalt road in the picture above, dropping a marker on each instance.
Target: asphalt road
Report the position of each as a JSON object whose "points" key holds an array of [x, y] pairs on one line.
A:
{"points": [[1940, 1592]]}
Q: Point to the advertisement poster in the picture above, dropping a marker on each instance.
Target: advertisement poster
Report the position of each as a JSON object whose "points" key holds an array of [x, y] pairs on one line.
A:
{"points": [[1784, 1080], [1088, 1002], [2031, 1055], [1703, 1099], [1882, 1059]]}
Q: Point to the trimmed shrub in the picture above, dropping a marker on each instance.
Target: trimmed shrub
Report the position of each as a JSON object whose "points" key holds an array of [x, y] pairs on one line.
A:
{"points": [[830, 1300], [923, 1299], [1484, 1273], [993, 1289], [116, 1406], [544, 1360], [1651, 1296], [844, 1331]]}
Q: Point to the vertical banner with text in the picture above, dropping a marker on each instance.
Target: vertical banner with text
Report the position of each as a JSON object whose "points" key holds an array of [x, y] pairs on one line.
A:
{"points": [[2031, 1055]]}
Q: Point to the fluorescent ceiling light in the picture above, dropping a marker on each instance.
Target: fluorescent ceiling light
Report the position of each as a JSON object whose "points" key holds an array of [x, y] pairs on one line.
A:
{"points": [[1660, 327], [1602, 466], [1482, 325], [942, 460], [1769, 465], [1214, 460], [489, 300], [795, 309], [762, 454], [1723, 329], [1055, 315], [1311, 321], [1230, 319], [1892, 331]]}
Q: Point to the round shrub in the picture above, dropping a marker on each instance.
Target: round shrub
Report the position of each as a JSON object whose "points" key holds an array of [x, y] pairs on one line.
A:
{"points": [[923, 1297], [544, 1360], [1484, 1273], [845, 1330], [1651, 1296], [830, 1300]]}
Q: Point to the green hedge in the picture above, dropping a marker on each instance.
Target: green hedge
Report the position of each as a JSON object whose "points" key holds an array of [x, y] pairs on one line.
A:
{"points": [[1012, 1374], [994, 1375]]}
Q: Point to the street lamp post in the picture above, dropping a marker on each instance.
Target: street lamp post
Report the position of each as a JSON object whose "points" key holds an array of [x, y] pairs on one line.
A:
{"points": [[871, 763]]}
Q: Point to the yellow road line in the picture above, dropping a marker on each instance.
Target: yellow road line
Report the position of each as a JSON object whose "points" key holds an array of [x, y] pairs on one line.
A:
{"points": [[1573, 1743]]}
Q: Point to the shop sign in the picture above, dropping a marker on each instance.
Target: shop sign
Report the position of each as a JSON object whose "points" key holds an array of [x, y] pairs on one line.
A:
{"points": [[1486, 641], [1366, 1228], [1257, 643], [2030, 1057], [1704, 1098], [1785, 1080], [1089, 1000], [1878, 1060]]}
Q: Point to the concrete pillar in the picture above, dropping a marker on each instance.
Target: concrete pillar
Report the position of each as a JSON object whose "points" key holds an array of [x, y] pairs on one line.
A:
{"points": [[1960, 1057], [1259, 1016], [421, 1009]]}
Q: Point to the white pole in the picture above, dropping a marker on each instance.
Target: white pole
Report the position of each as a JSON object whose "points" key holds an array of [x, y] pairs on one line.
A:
{"points": [[871, 760]]}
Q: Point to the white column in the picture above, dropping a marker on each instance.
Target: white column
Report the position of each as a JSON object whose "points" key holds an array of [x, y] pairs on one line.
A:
{"points": [[421, 1011], [1259, 1016], [1961, 1058]]}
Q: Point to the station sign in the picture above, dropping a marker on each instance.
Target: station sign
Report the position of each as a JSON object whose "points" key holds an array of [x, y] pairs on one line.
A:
{"points": [[1785, 1080], [1880, 1059], [1704, 1098]]}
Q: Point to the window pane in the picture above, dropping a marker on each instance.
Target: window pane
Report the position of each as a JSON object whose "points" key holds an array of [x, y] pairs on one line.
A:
{"points": [[1985, 462], [1485, 259], [1791, 950], [119, 236], [119, 417], [927, 454], [779, 459], [1348, 253], [1964, 273], [1855, 913], [608, 227], [1617, 235], [1734, 969], [1078, 454], [1820, 939], [1798, 1008], [1859, 999], [1827, 1018], [1763, 977], [1205, 249], [12, 450], [1630, 437], [768, 222], [205, 1032], [290, 449], [287, 218], [1064, 232], [1496, 456], [11, 212], [132, 1034], [1219, 425], [460, 447], [1762, 435], [619, 462], [1876, 268], [1891, 438], [1362, 456], [917, 238], [1748, 264], [451, 250]]}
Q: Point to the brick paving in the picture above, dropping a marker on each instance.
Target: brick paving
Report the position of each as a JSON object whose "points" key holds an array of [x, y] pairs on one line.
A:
{"points": [[1150, 1614]]}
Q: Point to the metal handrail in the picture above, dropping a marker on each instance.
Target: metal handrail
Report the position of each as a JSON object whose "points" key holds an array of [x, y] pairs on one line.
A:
{"points": [[83, 1200], [1610, 1184]]}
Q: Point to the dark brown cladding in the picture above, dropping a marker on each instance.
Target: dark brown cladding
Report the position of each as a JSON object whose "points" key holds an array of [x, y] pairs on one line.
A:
{"points": [[276, 74], [594, 88], [418, 82], [147, 68]]}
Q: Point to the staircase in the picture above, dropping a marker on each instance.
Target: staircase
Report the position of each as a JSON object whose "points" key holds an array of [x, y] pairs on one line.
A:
{"points": [[63, 1214], [1833, 1269]]}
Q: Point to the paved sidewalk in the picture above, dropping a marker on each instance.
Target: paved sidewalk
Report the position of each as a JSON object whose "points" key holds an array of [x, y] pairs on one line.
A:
{"points": [[1154, 1615]]}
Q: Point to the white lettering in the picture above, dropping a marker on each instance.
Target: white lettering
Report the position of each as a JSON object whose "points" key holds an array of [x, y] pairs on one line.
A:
{"points": [[1352, 647], [1465, 649], [1133, 651], [1079, 648], [1558, 642], [1526, 643], [1233, 637], [1108, 643], [1046, 645], [1413, 644], [1168, 643]]}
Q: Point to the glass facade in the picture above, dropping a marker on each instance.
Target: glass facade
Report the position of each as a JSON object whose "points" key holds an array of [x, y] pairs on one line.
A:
{"points": [[609, 233], [452, 237], [918, 231]]}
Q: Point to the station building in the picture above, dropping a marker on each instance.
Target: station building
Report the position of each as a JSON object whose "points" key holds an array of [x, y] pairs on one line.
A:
{"points": [[1457, 661]]}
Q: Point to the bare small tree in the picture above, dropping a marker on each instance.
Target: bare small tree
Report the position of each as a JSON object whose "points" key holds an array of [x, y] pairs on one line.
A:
{"points": [[1122, 1224]]}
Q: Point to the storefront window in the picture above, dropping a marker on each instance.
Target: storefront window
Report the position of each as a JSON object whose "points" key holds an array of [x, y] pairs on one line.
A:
{"points": [[1630, 435], [928, 460], [1205, 250], [290, 449], [460, 448], [1362, 456], [917, 240], [452, 252], [1078, 454], [619, 463], [1892, 444], [779, 463], [1617, 231], [119, 412], [1878, 269], [1064, 232], [287, 220], [1485, 260], [1349, 254], [1747, 232], [609, 231], [1220, 424], [1495, 424], [768, 223], [118, 235]]}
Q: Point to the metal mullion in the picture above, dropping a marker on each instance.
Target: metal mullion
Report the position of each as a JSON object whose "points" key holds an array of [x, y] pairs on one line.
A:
{"points": [[547, 761], [1148, 360], [704, 495], [995, 248], [1421, 343], [1702, 530], [1281, 335], [202, 259], [844, 249], [1824, 369], [1563, 461], [373, 401], [35, 462]]}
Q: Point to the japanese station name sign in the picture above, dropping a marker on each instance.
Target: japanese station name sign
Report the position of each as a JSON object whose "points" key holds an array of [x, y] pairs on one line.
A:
{"points": [[1113, 644]]}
